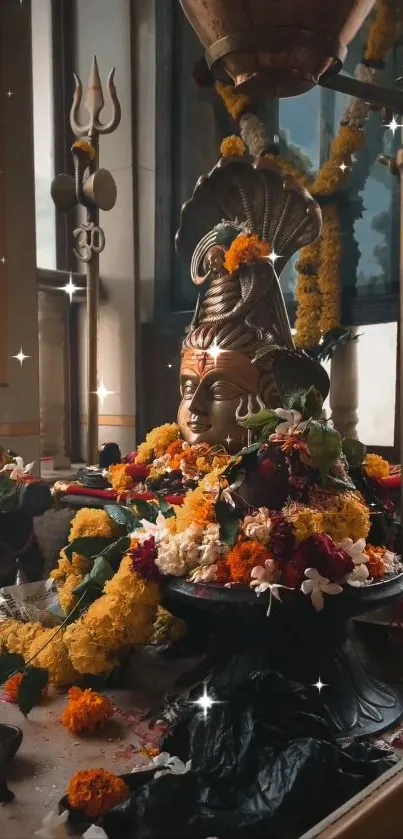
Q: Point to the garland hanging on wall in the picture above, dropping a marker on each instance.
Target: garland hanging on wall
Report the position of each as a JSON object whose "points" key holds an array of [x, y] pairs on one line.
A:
{"points": [[319, 286]]}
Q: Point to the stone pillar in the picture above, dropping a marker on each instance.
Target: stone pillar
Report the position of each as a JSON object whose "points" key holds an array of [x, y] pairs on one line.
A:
{"points": [[344, 388], [52, 316]]}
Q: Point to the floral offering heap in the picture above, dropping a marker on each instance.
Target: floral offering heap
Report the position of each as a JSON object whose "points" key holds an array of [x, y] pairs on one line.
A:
{"points": [[292, 515]]}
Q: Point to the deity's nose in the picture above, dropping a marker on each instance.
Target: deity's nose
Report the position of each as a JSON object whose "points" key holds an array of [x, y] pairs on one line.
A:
{"points": [[198, 402]]}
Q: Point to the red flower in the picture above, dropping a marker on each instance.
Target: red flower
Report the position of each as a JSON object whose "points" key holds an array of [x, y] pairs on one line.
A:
{"points": [[143, 560], [267, 469], [320, 552], [282, 539]]}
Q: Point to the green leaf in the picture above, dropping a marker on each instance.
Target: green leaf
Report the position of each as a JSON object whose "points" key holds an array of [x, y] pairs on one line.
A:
{"points": [[262, 351], [228, 521], [166, 509], [324, 444], [9, 664], [32, 685], [269, 429], [8, 495], [88, 546], [260, 419], [123, 516], [354, 451], [311, 404], [147, 511], [114, 553], [330, 482], [101, 571]]}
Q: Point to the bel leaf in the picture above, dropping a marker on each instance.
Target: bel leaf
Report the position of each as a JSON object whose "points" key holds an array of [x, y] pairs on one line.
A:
{"points": [[88, 546], [354, 451], [166, 509], [9, 663], [259, 419], [145, 510], [113, 553], [31, 688], [228, 521], [122, 516], [324, 444], [101, 571], [269, 429]]}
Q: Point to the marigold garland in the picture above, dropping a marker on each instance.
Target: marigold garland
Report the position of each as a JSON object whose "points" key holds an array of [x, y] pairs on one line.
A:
{"points": [[157, 442], [86, 710], [94, 792], [245, 249]]}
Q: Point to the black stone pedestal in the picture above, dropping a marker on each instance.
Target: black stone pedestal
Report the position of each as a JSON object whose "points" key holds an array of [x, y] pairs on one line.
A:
{"points": [[314, 649]]}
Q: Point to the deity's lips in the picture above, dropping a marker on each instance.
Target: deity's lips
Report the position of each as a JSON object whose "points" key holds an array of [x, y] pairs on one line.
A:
{"points": [[237, 367]]}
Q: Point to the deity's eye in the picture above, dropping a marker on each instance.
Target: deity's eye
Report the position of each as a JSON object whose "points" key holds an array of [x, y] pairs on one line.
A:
{"points": [[188, 388], [224, 390]]}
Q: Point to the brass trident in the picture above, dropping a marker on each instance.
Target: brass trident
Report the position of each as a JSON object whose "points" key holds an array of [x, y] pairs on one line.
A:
{"points": [[94, 189]]}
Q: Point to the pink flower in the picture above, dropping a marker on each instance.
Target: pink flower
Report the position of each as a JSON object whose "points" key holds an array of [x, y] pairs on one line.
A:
{"points": [[143, 560]]}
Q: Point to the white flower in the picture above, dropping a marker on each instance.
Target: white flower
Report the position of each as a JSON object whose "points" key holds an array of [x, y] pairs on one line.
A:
{"points": [[171, 765], [291, 421], [355, 550], [16, 469], [391, 562], [358, 576], [159, 530], [211, 548], [168, 560], [54, 826], [264, 578], [188, 543], [95, 832], [258, 526], [317, 586], [203, 574]]}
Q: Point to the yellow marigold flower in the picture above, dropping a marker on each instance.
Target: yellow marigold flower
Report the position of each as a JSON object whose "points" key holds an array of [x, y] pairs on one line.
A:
{"points": [[88, 522], [376, 467], [17, 637], [167, 628], [232, 147], [245, 250], [197, 508], [350, 520], [118, 478], [95, 792], [157, 441], [305, 522], [53, 657], [67, 598], [235, 103], [86, 710], [123, 616]]}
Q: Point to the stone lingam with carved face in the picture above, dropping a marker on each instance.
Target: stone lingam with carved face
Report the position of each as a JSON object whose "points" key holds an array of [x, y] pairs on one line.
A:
{"points": [[242, 224]]}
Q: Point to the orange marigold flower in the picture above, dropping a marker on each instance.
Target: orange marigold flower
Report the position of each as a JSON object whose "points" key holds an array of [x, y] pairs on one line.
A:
{"points": [[243, 558], [233, 146], [175, 448], [95, 792], [86, 710], [119, 479], [223, 572], [12, 687], [244, 250], [376, 564]]}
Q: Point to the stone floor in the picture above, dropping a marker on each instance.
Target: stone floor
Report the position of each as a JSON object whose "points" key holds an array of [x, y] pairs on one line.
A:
{"points": [[50, 755]]}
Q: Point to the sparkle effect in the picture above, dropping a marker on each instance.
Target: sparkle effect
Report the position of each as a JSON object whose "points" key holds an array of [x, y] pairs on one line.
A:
{"points": [[205, 702], [9, 94], [273, 257], [103, 392], [319, 685], [343, 167], [70, 288], [228, 440], [215, 351], [169, 366], [21, 356], [3, 260], [393, 125]]}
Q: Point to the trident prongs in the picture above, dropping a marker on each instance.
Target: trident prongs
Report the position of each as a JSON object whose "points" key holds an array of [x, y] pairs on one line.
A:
{"points": [[94, 103]]}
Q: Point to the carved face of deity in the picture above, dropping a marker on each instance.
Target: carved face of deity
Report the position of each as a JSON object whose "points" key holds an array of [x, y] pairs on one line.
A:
{"points": [[212, 389]]}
